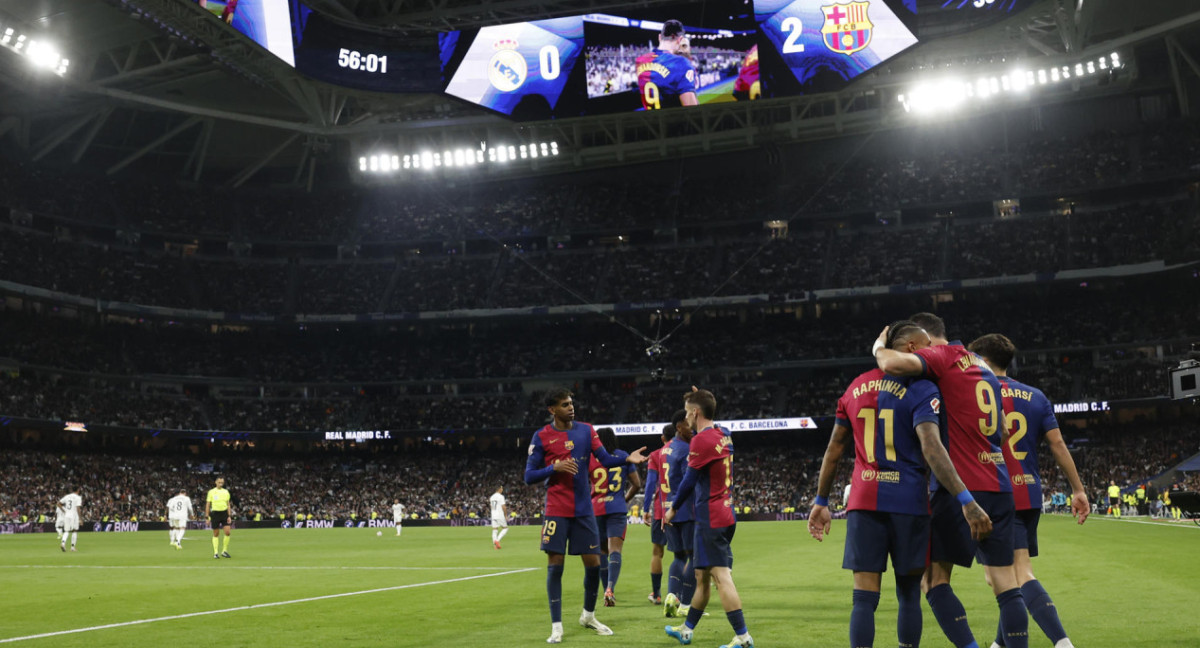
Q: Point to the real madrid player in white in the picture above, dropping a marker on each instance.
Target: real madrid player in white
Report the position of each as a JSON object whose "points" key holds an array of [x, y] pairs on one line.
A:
{"points": [[397, 515], [179, 511], [499, 516], [59, 517], [71, 505]]}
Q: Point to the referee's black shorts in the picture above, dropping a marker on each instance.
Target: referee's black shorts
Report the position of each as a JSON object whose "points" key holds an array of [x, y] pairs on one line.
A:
{"points": [[218, 519]]}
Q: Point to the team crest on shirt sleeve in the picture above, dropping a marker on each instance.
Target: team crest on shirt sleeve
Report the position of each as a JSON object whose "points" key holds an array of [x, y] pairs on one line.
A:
{"points": [[531, 449], [935, 405]]}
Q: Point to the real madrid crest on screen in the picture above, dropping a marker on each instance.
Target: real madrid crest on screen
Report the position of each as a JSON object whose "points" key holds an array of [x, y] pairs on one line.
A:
{"points": [[507, 69]]}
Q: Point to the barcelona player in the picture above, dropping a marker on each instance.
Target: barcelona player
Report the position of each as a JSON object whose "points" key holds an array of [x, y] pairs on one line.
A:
{"points": [[973, 436], [556, 454], [894, 424], [710, 475], [747, 87], [665, 78], [681, 581], [652, 512], [610, 503], [1031, 419]]}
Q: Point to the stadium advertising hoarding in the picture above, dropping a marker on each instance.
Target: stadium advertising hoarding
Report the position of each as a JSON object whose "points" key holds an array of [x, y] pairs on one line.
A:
{"points": [[744, 425], [718, 51]]}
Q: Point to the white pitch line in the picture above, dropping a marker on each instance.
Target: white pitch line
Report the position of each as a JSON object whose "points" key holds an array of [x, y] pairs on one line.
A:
{"points": [[253, 567], [1169, 525], [257, 606]]}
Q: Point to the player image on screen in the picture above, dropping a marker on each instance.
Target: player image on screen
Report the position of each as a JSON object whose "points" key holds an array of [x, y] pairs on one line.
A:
{"points": [[633, 64], [665, 78]]}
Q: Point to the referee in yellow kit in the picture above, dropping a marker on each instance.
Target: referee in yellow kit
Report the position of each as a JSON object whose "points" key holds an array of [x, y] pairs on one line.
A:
{"points": [[219, 509]]}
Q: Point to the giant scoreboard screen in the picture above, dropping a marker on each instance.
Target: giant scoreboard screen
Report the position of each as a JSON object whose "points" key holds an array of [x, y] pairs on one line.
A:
{"points": [[732, 50]]}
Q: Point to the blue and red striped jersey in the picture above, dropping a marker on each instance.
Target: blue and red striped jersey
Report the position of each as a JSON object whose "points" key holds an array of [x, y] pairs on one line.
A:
{"points": [[712, 454], [1030, 415], [889, 467], [655, 485], [609, 485], [566, 495], [974, 415], [674, 465], [662, 78]]}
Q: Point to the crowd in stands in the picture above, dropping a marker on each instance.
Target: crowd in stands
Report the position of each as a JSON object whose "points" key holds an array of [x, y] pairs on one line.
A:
{"points": [[916, 168], [519, 277], [452, 481]]}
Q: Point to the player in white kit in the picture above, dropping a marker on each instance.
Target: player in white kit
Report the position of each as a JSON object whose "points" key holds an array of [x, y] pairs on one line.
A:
{"points": [[398, 515], [71, 505], [179, 511], [59, 518], [499, 516]]}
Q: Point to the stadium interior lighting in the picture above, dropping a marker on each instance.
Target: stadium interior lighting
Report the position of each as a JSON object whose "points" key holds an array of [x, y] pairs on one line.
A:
{"points": [[948, 94], [41, 54], [388, 163]]}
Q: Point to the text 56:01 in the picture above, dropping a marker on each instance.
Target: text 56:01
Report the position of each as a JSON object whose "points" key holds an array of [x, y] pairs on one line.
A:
{"points": [[355, 60]]}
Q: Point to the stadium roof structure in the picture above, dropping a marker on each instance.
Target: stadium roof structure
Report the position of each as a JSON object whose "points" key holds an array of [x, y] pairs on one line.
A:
{"points": [[161, 86]]}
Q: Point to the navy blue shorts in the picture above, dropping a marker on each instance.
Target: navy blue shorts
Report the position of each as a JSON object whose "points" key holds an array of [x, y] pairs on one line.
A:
{"points": [[712, 546], [657, 535], [577, 533], [681, 536], [950, 536], [1025, 526], [872, 535], [613, 525]]}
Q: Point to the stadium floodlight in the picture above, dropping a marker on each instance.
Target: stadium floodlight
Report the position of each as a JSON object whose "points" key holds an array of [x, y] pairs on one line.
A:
{"points": [[7, 37], [1041, 76], [524, 152], [554, 148], [533, 150], [42, 54], [20, 42], [512, 152], [427, 159], [374, 163], [1054, 76], [1103, 63], [479, 157], [1116, 59], [395, 163], [1091, 67], [407, 161], [939, 96], [1079, 69]]}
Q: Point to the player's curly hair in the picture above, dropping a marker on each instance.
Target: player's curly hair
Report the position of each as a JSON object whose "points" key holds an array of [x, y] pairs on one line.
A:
{"points": [[668, 432], [608, 438], [555, 394]]}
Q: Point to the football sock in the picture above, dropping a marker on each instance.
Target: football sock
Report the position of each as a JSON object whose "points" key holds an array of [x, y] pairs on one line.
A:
{"points": [[1042, 609], [908, 621], [862, 619], [554, 591], [1014, 618], [495, 536], [591, 586], [693, 618], [74, 537], [216, 544], [502, 532], [225, 546], [951, 616], [656, 583], [675, 584], [689, 583], [737, 621], [603, 571], [614, 569]]}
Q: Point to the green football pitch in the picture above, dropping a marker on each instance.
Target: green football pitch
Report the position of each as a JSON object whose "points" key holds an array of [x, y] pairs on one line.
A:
{"points": [[1116, 584]]}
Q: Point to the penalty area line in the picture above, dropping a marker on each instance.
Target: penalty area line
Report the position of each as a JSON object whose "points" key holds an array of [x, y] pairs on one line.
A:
{"points": [[1185, 524], [258, 606]]}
